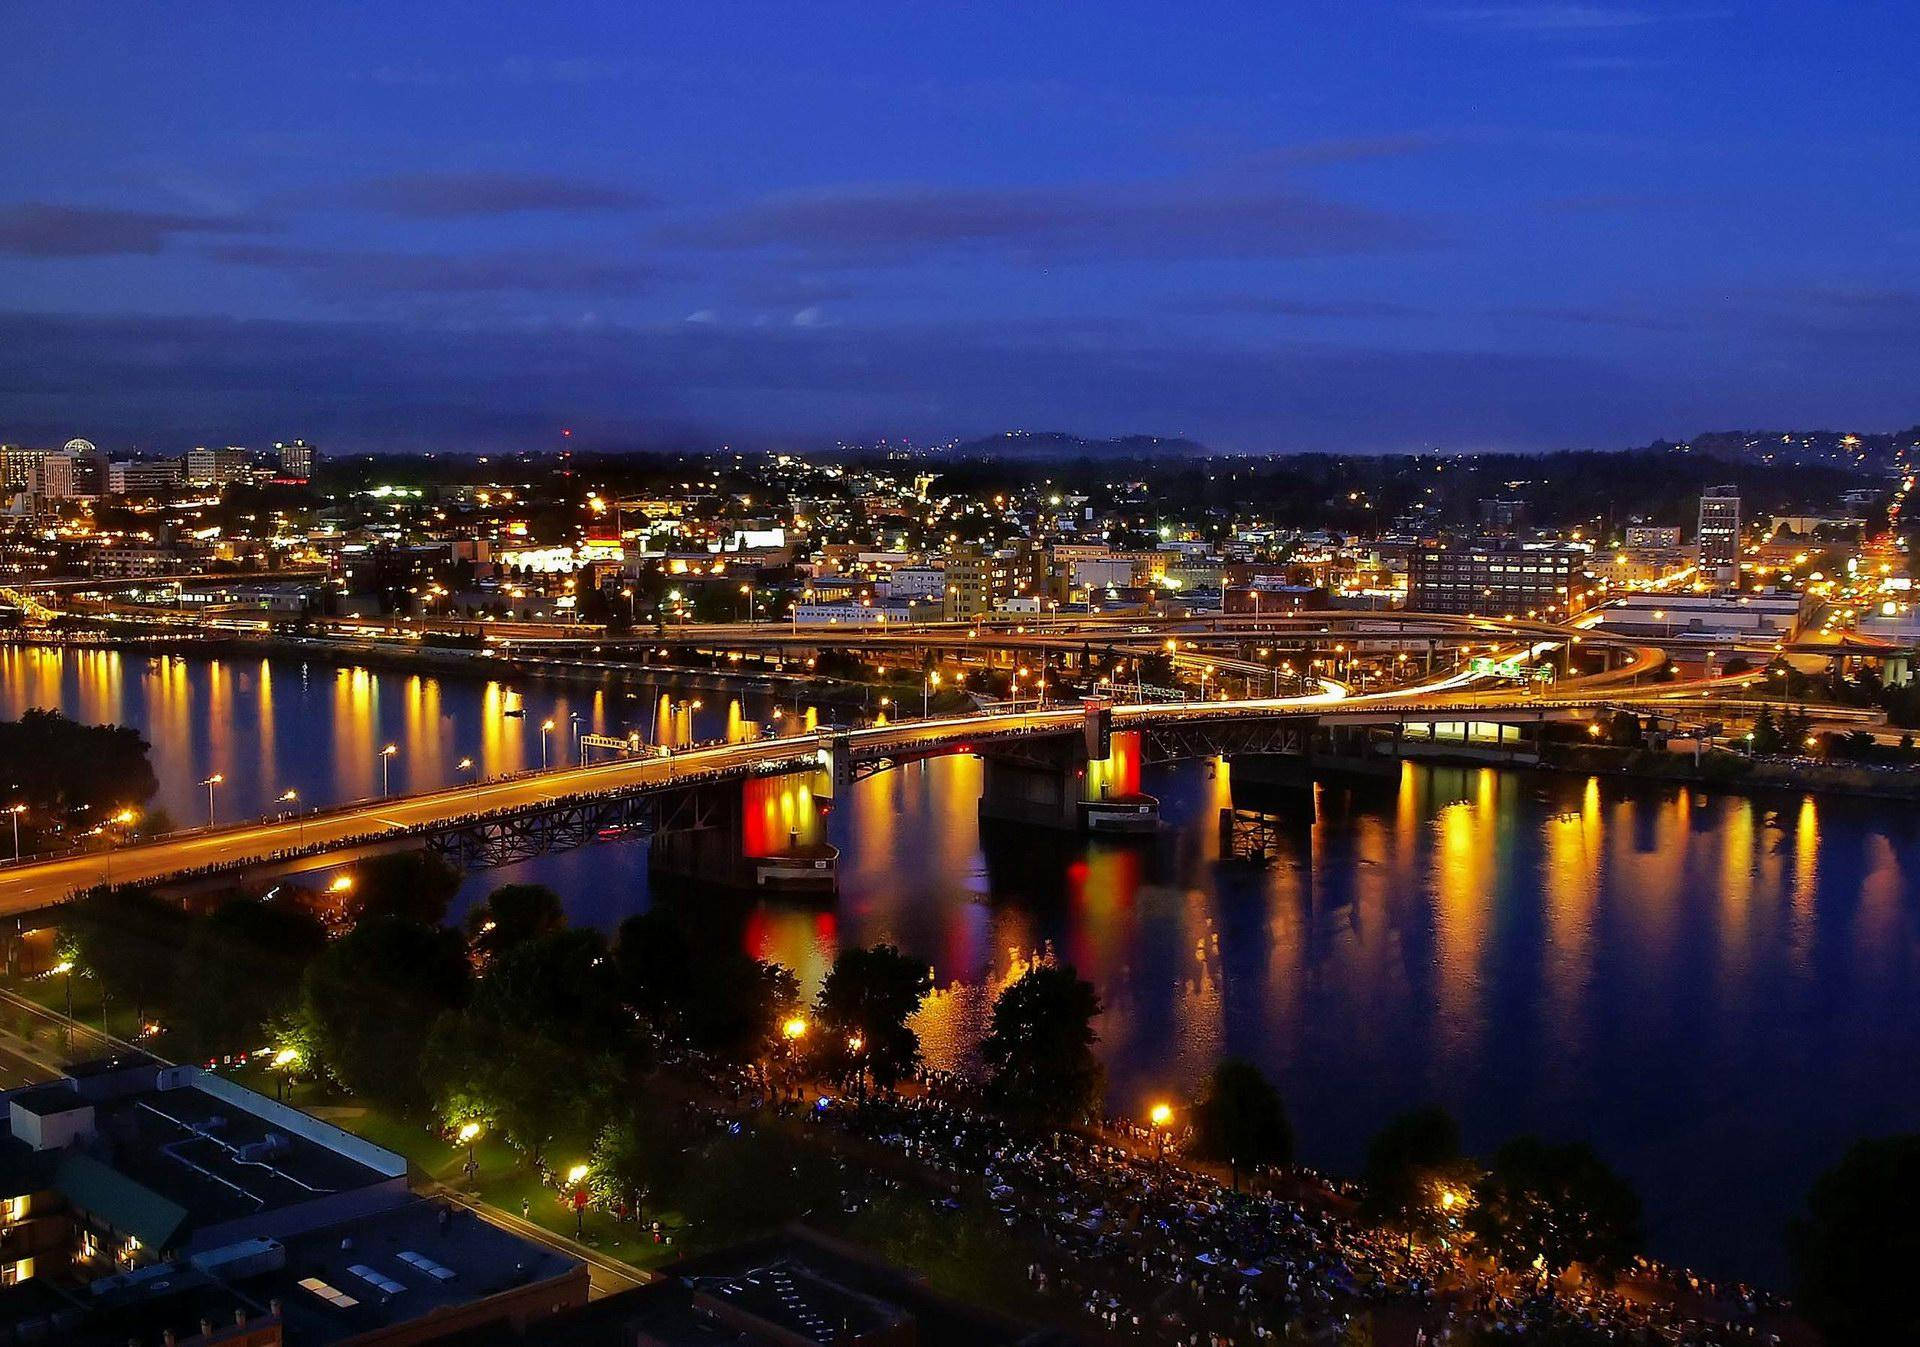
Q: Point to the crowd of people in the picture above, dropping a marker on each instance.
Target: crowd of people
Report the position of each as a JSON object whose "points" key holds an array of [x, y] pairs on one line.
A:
{"points": [[1146, 1247]]}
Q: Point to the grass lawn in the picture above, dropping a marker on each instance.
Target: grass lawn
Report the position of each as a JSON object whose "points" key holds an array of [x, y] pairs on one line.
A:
{"points": [[50, 990], [501, 1177]]}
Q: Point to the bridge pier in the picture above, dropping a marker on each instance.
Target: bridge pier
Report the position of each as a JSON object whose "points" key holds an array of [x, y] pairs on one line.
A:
{"points": [[762, 835], [1054, 784]]}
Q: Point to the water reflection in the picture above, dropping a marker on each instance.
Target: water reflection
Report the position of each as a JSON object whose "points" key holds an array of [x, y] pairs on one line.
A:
{"points": [[1720, 992]]}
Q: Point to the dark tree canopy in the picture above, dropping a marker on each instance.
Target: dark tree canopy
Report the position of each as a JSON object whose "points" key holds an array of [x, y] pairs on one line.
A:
{"points": [[560, 987], [55, 766], [1553, 1206], [369, 1001], [415, 886], [240, 969], [1039, 1049], [655, 963], [513, 914], [1240, 1119], [1855, 1247], [1407, 1158], [869, 994], [129, 940]]}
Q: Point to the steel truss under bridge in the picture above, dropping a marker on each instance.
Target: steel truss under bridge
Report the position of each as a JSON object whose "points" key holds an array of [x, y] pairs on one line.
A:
{"points": [[1179, 740], [509, 839]]}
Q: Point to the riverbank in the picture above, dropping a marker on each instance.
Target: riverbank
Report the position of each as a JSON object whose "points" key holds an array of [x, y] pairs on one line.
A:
{"points": [[1726, 770]]}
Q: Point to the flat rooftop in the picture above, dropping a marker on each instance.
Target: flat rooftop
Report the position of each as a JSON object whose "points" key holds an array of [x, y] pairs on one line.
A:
{"points": [[429, 1256], [219, 1161]]}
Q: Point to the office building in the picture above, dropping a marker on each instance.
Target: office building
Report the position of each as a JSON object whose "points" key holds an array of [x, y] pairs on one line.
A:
{"points": [[145, 476], [1717, 539], [1495, 579], [218, 467], [297, 458], [143, 1199]]}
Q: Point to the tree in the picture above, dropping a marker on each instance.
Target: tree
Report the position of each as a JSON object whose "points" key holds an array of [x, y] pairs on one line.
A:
{"points": [[1240, 1119], [868, 995], [1855, 1247], [639, 1155], [241, 968], [1551, 1206], [1765, 737], [370, 999], [1415, 1154], [416, 886], [1039, 1047], [128, 940], [523, 1085], [738, 1006], [1624, 730], [57, 766], [654, 962], [514, 913], [559, 987]]}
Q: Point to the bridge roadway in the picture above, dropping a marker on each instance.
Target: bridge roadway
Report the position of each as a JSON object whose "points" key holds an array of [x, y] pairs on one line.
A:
{"points": [[25, 886]]}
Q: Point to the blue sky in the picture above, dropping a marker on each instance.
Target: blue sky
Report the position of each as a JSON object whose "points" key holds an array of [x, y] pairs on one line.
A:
{"points": [[1268, 226]]}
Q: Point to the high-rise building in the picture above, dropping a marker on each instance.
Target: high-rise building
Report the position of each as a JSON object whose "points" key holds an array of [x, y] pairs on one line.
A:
{"points": [[218, 467], [297, 458], [1718, 536]]}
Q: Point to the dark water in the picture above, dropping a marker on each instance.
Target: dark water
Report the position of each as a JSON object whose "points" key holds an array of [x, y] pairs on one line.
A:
{"points": [[1720, 992]]}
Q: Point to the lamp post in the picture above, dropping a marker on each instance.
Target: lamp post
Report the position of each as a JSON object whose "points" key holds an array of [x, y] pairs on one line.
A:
{"points": [[546, 728], [931, 682], [576, 1177], [1161, 1115], [17, 811], [386, 763], [747, 590], [210, 783], [464, 765], [470, 1133], [290, 796]]}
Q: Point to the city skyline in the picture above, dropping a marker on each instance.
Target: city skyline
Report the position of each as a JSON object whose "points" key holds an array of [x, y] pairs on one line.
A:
{"points": [[1494, 227]]}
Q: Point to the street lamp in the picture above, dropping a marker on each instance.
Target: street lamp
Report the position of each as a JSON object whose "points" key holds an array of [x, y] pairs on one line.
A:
{"points": [[575, 1177], [1160, 1115], [747, 590], [464, 765], [470, 1133], [290, 796], [386, 762], [926, 691], [17, 811], [210, 783], [546, 728]]}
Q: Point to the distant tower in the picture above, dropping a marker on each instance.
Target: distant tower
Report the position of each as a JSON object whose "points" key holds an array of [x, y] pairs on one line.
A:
{"points": [[297, 459], [1718, 537]]}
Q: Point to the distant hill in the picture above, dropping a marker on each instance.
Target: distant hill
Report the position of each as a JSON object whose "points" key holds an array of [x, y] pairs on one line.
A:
{"points": [[1050, 444], [1807, 448]]}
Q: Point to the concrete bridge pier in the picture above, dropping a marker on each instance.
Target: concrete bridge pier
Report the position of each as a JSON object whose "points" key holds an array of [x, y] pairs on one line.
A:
{"points": [[762, 835], [1056, 784]]}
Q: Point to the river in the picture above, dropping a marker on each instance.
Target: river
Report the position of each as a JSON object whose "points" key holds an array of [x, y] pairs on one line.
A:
{"points": [[1719, 991]]}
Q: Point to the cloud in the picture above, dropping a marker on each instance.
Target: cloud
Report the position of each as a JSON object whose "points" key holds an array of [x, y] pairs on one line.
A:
{"points": [[397, 273], [1597, 317], [441, 196], [1282, 307], [1566, 20], [36, 229], [891, 223]]}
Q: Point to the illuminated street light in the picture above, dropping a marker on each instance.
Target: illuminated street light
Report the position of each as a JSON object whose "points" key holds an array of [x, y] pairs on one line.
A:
{"points": [[794, 1029], [1161, 1116], [546, 728], [17, 811], [386, 761], [210, 783]]}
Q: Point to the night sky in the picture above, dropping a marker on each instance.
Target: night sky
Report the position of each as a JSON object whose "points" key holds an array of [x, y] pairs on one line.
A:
{"points": [[1269, 226]]}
